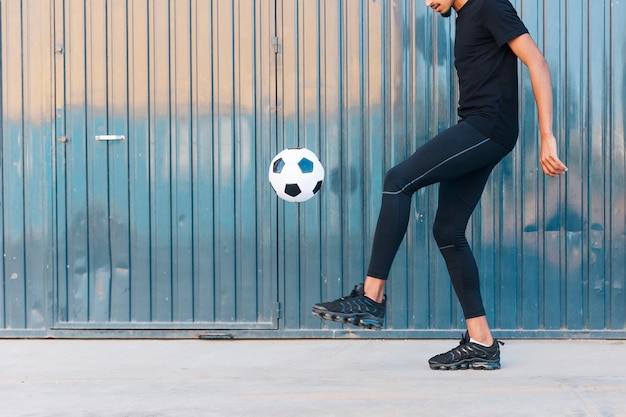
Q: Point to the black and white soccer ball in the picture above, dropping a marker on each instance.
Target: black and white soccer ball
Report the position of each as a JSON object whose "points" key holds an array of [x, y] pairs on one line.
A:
{"points": [[296, 174]]}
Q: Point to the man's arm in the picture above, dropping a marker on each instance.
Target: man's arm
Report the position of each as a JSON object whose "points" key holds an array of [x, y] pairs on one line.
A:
{"points": [[527, 51]]}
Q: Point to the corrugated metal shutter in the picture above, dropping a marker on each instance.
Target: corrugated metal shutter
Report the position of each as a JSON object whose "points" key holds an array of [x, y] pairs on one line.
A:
{"points": [[359, 86], [174, 228], [365, 83], [166, 108]]}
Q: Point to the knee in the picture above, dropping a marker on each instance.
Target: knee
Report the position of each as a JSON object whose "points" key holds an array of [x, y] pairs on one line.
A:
{"points": [[443, 232], [449, 233], [394, 180]]}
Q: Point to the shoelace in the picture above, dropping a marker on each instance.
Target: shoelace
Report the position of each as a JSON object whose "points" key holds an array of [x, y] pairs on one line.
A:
{"points": [[353, 294]]}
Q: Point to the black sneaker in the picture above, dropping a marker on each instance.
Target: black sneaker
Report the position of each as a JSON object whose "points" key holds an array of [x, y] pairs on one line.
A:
{"points": [[356, 309], [468, 355]]}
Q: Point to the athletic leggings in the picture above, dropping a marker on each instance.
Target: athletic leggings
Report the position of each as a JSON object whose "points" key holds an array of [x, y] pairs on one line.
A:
{"points": [[460, 159]]}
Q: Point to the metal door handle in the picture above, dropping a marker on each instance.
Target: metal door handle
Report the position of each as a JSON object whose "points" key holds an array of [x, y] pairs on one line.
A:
{"points": [[110, 137]]}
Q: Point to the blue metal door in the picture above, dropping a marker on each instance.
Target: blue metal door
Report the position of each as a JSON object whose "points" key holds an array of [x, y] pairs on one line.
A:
{"points": [[164, 217]]}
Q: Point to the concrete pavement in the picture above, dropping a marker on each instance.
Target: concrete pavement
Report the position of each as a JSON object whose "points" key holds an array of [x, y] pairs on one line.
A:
{"points": [[305, 378]]}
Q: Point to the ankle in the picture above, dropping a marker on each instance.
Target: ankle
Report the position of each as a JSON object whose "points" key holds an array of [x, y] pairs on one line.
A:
{"points": [[374, 289], [479, 332], [485, 344]]}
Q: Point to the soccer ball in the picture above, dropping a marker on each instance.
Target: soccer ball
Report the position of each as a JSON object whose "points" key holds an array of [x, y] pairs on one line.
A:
{"points": [[296, 174]]}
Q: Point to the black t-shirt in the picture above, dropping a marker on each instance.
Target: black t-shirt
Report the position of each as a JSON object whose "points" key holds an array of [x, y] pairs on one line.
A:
{"points": [[487, 68]]}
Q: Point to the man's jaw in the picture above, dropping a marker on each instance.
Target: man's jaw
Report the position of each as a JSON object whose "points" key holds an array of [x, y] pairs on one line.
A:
{"points": [[435, 5]]}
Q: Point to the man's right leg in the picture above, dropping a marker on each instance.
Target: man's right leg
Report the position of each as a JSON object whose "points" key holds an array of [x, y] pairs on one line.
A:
{"points": [[457, 152], [453, 153]]}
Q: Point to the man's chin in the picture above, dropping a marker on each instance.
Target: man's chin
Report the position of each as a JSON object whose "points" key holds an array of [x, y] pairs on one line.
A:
{"points": [[447, 13]]}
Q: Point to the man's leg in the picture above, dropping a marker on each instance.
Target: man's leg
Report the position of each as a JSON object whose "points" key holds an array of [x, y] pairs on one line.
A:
{"points": [[457, 200], [453, 153]]}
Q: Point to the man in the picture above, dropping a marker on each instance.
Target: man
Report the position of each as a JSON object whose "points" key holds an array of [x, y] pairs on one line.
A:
{"points": [[489, 39]]}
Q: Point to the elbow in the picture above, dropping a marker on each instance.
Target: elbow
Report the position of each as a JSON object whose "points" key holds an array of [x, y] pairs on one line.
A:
{"points": [[539, 67]]}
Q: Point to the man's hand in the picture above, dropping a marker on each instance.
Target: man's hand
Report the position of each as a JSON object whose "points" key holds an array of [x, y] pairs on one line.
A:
{"points": [[548, 157]]}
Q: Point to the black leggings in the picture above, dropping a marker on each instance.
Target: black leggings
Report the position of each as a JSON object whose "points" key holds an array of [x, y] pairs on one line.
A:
{"points": [[460, 159]]}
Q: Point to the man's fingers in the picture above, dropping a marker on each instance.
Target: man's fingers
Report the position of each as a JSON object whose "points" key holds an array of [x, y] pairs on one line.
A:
{"points": [[553, 166]]}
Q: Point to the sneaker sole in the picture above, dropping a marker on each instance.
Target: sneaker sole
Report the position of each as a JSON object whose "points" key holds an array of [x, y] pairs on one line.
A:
{"points": [[365, 321], [461, 366]]}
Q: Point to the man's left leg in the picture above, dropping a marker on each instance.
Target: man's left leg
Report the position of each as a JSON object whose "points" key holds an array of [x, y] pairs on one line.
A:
{"points": [[457, 200]]}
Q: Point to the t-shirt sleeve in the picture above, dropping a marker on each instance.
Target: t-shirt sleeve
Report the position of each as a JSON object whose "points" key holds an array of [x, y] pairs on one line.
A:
{"points": [[502, 21]]}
